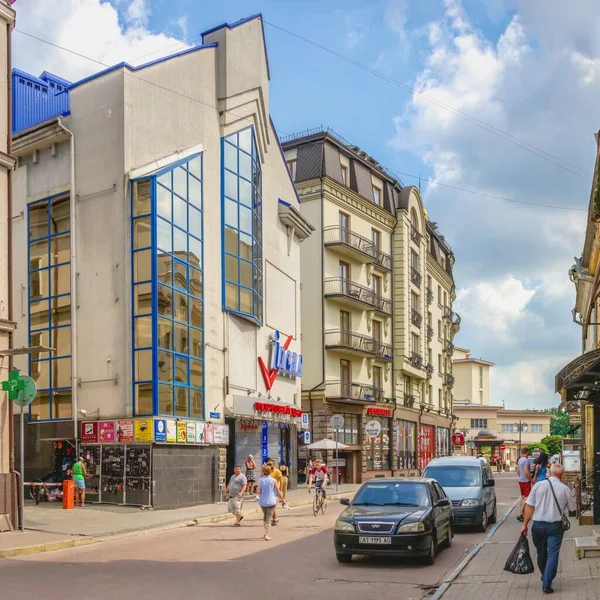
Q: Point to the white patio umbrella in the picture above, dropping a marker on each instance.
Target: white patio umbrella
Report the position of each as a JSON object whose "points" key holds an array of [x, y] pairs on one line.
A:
{"points": [[327, 444]]}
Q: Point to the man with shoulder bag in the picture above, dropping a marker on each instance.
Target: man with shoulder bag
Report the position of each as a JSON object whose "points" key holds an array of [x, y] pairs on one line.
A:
{"points": [[548, 506]]}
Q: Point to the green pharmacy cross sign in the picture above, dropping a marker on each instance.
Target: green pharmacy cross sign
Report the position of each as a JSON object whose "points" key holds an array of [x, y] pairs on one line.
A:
{"points": [[21, 390]]}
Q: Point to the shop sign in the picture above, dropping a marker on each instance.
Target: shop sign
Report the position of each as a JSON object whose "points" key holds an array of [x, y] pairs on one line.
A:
{"points": [[283, 361], [249, 426], [575, 418], [160, 430], [338, 462], [200, 433], [217, 434], [181, 432], [89, 433], [191, 433], [373, 429], [215, 415], [458, 439], [304, 438], [277, 409], [305, 421], [106, 432], [171, 431], [264, 440], [380, 412], [125, 431], [143, 430]]}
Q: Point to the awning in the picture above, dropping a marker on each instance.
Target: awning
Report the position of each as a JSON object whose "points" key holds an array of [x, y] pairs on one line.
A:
{"points": [[580, 379]]}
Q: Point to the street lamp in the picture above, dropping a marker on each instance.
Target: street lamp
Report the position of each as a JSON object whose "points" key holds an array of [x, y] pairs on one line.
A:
{"points": [[520, 427]]}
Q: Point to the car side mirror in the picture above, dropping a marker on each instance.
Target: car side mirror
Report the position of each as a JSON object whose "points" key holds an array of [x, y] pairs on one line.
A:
{"points": [[443, 502], [490, 483], [345, 501]]}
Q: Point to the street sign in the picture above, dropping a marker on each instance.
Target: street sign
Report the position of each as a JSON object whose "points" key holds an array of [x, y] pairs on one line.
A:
{"points": [[503, 447], [373, 429], [472, 445], [305, 421], [336, 421], [28, 393], [13, 385], [306, 437], [458, 439]]}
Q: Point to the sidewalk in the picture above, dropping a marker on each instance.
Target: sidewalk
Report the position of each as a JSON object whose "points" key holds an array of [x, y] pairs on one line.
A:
{"points": [[49, 527], [484, 576]]}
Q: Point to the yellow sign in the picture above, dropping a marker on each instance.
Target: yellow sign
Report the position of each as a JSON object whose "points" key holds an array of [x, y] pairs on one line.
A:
{"points": [[143, 430], [181, 432], [575, 418]]}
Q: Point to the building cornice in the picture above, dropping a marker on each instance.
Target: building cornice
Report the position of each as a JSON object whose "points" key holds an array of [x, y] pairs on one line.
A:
{"points": [[7, 14], [38, 137], [437, 270], [7, 162]]}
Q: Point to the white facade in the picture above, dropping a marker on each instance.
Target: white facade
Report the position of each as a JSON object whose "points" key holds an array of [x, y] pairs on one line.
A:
{"points": [[472, 375]]}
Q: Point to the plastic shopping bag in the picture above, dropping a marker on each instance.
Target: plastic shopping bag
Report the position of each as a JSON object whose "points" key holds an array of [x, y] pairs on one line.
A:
{"points": [[519, 561]]}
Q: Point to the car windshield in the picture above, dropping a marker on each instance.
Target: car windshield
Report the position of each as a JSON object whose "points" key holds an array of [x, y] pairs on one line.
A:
{"points": [[455, 476], [393, 494]]}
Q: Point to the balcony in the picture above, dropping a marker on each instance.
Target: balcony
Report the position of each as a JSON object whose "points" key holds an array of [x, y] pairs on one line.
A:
{"points": [[382, 260], [430, 332], [429, 295], [415, 276], [453, 317], [415, 236], [416, 318], [357, 344], [449, 347], [449, 380], [416, 360], [352, 294], [429, 370], [347, 243], [353, 393], [409, 400]]}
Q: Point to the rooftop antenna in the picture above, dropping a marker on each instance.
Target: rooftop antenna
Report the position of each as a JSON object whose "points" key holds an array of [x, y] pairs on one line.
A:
{"points": [[419, 184], [503, 405]]}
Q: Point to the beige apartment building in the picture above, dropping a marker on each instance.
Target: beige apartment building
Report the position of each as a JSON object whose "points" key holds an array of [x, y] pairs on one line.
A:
{"points": [[376, 288], [471, 378], [8, 487]]}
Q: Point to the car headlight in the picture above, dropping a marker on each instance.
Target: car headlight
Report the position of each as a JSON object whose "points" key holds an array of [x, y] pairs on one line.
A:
{"points": [[412, 527], [341, 525], [470, 502]]}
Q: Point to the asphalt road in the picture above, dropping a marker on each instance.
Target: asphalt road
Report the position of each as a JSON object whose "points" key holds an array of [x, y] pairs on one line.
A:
{"points": [[221, 562]]}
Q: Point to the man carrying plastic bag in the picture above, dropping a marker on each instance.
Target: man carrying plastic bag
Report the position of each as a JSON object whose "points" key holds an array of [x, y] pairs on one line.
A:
{"points": [[519, 561], [548, 505]]}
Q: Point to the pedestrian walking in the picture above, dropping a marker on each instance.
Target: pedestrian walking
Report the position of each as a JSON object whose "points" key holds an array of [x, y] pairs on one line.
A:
{"points": [[79, 475], [285, 478], [525, 479], [235, 491], [250, 476], [499, 464], [547, 506], [540, 472], [268, 493], [278, 477]]}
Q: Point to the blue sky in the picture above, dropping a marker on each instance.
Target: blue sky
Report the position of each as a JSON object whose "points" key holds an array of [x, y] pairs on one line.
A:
{"points": [[527, 68]]}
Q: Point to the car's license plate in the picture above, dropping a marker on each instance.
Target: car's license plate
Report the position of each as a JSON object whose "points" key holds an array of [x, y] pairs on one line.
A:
{"points": [[375, 540]]}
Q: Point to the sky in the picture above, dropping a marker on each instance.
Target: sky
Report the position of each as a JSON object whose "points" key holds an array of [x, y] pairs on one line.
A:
{"points": [[499, 97]]}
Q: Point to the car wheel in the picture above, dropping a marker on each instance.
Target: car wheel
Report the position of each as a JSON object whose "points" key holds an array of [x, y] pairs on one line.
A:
{"points": [[484, 520], [494, 516], [343, 558], [448, 541], [430, 556]]}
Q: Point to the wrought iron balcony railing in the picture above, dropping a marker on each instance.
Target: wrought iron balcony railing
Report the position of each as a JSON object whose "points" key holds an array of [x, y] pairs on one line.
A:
{"points": [[415, 236], [341, 235], [353, 392], [449, 379], [382, 259], [430, 332], [338, 286], [415, 276], [429, 370], [453, 317], [409, 400], [416, 318], [449, 347], [429, 295], [355, 342], [416, 360]]}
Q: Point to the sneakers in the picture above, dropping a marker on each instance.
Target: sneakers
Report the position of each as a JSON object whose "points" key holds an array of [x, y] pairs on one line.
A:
{"points": [[274, 522], [547, 590]]}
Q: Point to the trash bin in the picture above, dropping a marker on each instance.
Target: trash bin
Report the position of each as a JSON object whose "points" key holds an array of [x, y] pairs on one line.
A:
{"points": [[68, 494]]}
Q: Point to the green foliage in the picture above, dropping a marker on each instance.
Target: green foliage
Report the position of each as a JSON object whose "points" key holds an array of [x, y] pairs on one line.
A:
{"points": [[539, 446], [553, 443]]}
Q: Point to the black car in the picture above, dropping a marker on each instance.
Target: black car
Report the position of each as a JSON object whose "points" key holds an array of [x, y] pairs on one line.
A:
{"points": [[395, 517]]}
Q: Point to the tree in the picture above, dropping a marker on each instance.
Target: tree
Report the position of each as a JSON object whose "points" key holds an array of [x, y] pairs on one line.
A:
{"points": [[559, 425], [538, 446], [553, 443]]}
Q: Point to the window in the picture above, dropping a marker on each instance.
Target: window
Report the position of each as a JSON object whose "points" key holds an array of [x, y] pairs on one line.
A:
{"points": [[377, 285], [479, 423], [442, 441], [445, 299], [537, 428], [430, 394], [242, 226], [376, 239], [345, 178], [346, 378], [168, 298], [377, 449], [507, 428], [480, 396], [49, 293], [344, 270], [440, 329], [439, 398], [414, 301], [481, 377], [443, 261], [439, 294], [350, 434], [406, 444], [429, 284], [377, 331], [377, 195], [430, 356], [345, 321], [344, 225], [429, 319], [415, 343], [291, 164], [414, 220], [377, 383], [440, 363], [414, 260]]}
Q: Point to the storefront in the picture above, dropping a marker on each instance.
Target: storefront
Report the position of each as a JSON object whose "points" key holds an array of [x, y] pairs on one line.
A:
{"points": [[377, 448], [426, 445], [406, 445], [442, 441]]}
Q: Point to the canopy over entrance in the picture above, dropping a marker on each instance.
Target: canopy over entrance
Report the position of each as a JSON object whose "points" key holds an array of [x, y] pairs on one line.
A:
{"points": [[580, 380]]}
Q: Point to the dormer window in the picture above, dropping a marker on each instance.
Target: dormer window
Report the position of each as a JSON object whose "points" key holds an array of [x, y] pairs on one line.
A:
{"points": [[377, 196]]}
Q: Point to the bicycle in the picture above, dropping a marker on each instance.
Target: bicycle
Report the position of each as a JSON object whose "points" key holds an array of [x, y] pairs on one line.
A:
{"points": [[319, 501]]}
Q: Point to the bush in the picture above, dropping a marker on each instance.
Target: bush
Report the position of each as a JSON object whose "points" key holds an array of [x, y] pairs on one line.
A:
{"points": [[539, 446], [553, 443]]}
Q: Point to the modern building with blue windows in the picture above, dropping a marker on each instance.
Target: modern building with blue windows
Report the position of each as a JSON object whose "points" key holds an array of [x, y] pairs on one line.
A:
{"points": [[156, 236]]}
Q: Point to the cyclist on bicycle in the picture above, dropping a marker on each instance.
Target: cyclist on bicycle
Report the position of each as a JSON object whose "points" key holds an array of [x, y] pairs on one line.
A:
{"points": [[320, 476]]}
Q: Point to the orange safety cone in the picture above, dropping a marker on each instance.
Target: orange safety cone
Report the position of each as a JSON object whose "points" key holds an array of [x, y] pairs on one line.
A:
{"points": [[68, 494]]}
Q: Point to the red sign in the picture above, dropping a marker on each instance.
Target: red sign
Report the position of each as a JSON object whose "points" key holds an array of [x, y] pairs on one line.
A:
{"points": [[426, 444], [278, 409], [89, 433], [269, 376], [380, 412], [503, 447], [458, 439]]}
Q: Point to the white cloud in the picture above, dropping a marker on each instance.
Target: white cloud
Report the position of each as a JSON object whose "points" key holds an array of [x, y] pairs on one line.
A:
{"points": [[89, 27]]}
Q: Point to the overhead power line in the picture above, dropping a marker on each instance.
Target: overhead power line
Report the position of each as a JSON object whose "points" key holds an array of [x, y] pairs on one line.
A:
{"points": [[559, 162]]}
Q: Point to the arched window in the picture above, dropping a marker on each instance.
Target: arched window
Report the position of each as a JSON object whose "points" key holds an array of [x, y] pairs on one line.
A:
{"points": [[414, 219]]}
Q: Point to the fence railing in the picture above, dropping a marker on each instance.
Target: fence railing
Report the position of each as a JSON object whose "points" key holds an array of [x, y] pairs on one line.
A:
{"points": [[355, 341], [356, 392], [355, 291]]}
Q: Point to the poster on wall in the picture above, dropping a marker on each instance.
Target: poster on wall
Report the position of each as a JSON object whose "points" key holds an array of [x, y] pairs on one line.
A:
{"points": [[426, 444], [181, 432], [143, 430], [171, 431], [160, 430], [124, 431], [191, 433], [200, 437], [89, 433], [106, 432]]}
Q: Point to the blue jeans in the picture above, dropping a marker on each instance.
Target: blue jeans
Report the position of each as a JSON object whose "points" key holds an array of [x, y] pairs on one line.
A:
{"points": [[547, 538]]}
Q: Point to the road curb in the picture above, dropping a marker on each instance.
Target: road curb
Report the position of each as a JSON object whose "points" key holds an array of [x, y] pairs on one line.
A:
{"points": [[443, 588], [49, 547]]}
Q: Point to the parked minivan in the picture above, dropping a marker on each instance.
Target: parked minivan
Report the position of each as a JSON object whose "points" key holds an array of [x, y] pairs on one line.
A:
{"points": [[469, 483]]}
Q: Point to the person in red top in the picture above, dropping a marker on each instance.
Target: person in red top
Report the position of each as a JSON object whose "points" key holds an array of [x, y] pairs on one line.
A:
{"points": [[319, 475]]}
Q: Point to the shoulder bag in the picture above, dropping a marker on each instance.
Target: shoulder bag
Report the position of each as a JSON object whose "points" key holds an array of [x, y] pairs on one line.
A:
{"points": [[566, 524]]}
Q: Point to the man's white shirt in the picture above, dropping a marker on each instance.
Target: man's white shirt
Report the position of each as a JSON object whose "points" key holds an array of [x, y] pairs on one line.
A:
{"points": [[542, 499]]}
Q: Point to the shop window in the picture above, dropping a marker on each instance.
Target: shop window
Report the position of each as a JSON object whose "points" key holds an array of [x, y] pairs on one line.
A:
{"points": [[168, 315], [426, 444], [406, 444], [377, 449], [442, 441], [49, 306], [242, 226]]}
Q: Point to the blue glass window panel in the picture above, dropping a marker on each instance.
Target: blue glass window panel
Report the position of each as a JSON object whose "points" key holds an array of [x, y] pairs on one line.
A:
{"points": [[245, 192], [195, 222], [246, 166], [231, 213], [181, 370], [245, 219], [180, 244], [231, 185], [195, 312], [245, 139], [165, 301], [180, 182], [166, 180], [165, 268], [195, 167], [163, 202], [195, 192], [180, 212], [180, 275], [246, 246], [143, 332], [163, 235], [180, 307], [196, 342], [39, 315], [230, 155], [195, 276], [195, 251], [165, 334], [246, 273]]}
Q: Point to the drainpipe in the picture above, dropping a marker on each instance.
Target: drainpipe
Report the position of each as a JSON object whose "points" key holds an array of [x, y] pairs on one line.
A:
{"points": [[74, 370]]}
